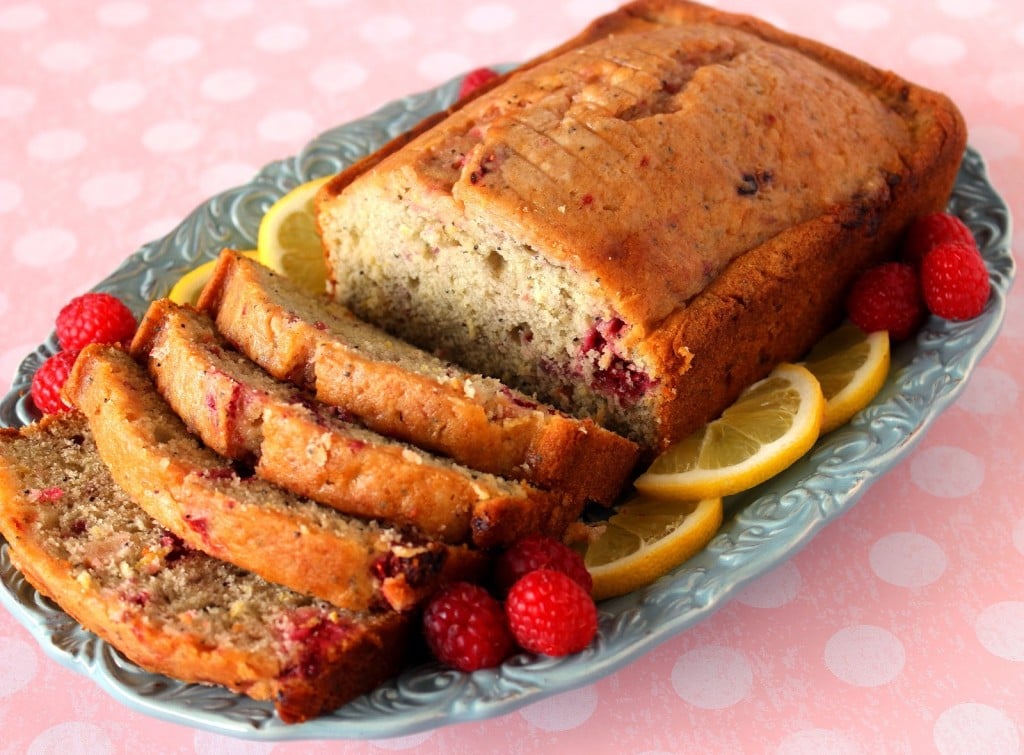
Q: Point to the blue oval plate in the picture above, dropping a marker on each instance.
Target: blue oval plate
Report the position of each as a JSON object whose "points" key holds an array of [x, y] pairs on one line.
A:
{"points": [[763, 527]]}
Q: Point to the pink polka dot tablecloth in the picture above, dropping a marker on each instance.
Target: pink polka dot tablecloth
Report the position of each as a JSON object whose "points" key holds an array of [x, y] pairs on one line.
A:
{"points": [[899, 628]]}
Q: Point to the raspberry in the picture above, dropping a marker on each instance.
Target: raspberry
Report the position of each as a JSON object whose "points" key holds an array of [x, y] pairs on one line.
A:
{"points": [[94, 318], [466, 628], [538, 552], [887, 297], [550, 613], [954, 281], [930, 230], [48, 381], [475, 79]]}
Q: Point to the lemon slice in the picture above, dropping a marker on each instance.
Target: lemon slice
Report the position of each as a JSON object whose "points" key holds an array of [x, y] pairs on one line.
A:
{"points": [[852, 367], [288, 240], [772, 424], [645, 539], [192, 283]]}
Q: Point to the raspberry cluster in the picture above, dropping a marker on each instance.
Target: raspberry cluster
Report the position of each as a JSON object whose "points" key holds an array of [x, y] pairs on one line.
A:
{"points": [[941, 272], [546, 608], [94, 317]]}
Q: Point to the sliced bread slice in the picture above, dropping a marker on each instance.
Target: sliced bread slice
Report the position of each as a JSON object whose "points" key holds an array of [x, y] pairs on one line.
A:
{"points": [[217, 508], [306, 446], [403, 392], [78, 539]]}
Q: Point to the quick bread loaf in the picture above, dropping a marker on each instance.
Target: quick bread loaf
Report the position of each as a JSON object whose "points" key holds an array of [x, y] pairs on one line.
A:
{"points": [[221, 510], [311, 448], [407, 393], [644, 221], [78, 539]]}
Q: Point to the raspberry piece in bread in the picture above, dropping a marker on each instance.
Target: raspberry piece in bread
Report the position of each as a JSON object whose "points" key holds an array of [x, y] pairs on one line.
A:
{"points": [[79, 540], [213, 506]]}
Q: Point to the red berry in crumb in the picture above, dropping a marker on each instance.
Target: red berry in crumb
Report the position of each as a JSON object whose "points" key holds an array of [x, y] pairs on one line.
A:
{"points": [[887, 297], [48, 381], [475, 79], [466, 628], [954, 281], [550, 613], [94, 318], [931, 230], [539, 552]]}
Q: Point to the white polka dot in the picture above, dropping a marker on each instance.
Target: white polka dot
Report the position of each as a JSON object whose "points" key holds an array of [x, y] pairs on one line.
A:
{"points": [[947, 472], [443, 65], [1007, 87], [409, 742], [228, 85], [1018, 35], [207, 743], [490, 18], [156, 229], [22, 17], [712, 677], [584, 10], [66, 56], [175, 48], [568, 710], [17, 658], [863, 16], [226, 10], [937, 49], [817, 741], [56, 145], [5, 304], [122, 14], [989, 391], [995, 142], [10, 195], [15, 101], [44, 247], [117, 96], [386, 29], [286, 126], [171, 136], [1000, 629], [965, 8], [864, 655], [775, 589], [971, 728], [907, 559], [74, 736], [284, 38], [114, 189], [338, 76], [217, 178]]}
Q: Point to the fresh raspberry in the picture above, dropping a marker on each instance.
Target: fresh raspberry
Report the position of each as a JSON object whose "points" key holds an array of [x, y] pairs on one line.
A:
{"points": [[887, 297], [475, 79], [94, 318], [466, 628], [550, 613], [48, 381], [538, 552], [931, 230], [954, 281]]}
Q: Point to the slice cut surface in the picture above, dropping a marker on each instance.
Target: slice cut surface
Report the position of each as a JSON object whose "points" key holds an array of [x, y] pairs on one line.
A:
{"points": [[772, 424], [288, 240], [851, 367], [192, 283], [645, 539]]}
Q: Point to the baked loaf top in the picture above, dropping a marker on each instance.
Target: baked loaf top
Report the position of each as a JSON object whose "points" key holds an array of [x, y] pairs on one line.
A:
{"points": [[79, 539]]}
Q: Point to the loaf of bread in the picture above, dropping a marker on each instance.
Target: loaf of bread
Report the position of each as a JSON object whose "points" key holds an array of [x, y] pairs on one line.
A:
{"points": [[406, 393], [218, 509], [644, 221], [79, 540], [308, 447]]}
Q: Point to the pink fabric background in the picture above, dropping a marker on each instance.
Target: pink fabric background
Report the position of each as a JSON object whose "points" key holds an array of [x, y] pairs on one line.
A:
{"points": [[899, 629]]}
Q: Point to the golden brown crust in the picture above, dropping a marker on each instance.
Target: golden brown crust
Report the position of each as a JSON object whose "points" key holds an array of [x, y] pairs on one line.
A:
{"points": [[447, 416]]}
